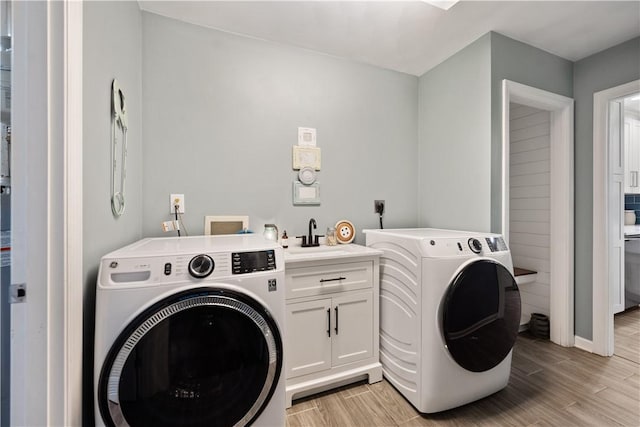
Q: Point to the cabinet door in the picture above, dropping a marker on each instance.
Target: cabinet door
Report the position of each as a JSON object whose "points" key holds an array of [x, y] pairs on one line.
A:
{"points": [[308, 336], [352, 328], [634, 143], [632, 155], [628, 153]]}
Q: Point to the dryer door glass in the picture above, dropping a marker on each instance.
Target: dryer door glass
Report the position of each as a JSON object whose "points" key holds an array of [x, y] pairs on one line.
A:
{"points": [[481, 315], [200, 358]]}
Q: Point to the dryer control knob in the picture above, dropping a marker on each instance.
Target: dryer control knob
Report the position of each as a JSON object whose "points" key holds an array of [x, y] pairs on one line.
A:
{"points": [[201, 266], [475, 245]]}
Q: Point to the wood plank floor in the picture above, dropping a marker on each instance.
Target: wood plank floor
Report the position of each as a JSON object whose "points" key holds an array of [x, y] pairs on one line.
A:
{"points": [[549, 386], [627, 335]]}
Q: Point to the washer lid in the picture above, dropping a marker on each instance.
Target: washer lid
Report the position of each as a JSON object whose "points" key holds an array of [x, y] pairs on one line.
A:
{"points": [[481, 315]]}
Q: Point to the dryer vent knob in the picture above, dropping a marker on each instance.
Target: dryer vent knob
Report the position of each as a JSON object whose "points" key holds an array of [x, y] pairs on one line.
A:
{"points": [[475, 245], [201, 266]]}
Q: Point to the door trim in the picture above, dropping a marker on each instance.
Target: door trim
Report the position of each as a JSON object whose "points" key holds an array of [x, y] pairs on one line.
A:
{"points": [[73, 216], [562, 197], [46, 342], [602, 299]]}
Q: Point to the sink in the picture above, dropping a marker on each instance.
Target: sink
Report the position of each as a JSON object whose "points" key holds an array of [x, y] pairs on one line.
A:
{"points": [[298, 253], [314, 252]]}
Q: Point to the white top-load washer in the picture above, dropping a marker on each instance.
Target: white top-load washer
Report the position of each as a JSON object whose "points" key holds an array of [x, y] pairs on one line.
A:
{"points": [[449, 314], [189, 332]]}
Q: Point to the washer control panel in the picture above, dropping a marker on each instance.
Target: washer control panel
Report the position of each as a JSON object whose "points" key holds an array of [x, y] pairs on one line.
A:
{"points": [[249, 262], [187, 267]]}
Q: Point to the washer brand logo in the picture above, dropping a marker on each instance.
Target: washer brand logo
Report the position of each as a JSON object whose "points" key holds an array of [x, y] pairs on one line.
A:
{"points": [[272, 285], [181, 393]]}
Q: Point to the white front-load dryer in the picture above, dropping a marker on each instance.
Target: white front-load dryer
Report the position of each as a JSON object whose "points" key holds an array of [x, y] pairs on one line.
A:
{"points": [[189, 333], [449, 314]]}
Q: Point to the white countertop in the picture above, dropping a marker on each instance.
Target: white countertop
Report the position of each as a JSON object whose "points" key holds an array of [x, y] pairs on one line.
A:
{"points": [[632, 230], [295, 254]]}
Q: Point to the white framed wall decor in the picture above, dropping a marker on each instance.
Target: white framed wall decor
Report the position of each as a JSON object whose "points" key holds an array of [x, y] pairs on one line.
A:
{"points": [[306, 156], [225, 224], [306, 194]]}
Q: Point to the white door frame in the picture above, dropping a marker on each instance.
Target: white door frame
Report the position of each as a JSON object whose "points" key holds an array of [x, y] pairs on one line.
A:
{"points": [[46, 330], [562, 196], [602, 341]]}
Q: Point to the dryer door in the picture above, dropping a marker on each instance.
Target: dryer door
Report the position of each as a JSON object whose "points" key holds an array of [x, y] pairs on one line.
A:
{"points": [[481, 315], [204, 357]]}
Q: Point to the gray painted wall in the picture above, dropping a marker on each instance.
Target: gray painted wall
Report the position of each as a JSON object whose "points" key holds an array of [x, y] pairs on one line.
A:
{"points": [[609, 68], [112, 41], [522, 63], [220, 116], [461, 127], [455, 141]]}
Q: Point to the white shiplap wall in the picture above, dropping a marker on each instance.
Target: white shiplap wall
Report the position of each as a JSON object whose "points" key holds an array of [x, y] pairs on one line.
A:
{"points": [[529, 214]]}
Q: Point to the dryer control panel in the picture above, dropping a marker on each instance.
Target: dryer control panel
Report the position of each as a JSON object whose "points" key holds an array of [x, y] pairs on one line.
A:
{"points": [[496, 244], [463, 246]]}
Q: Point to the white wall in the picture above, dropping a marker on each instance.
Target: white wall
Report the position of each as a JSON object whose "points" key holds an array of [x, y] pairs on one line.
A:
{"points": [[529, 204], [221, 114]]}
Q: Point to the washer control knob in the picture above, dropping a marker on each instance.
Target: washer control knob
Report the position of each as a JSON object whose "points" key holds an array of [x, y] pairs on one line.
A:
{"points": [[475, 245], [201, 266]]}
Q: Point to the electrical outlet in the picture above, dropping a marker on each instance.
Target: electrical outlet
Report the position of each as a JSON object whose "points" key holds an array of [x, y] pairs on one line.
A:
{"points": [[378, 206], [176, 199]]}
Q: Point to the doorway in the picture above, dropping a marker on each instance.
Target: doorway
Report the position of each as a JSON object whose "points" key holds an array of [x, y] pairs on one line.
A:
{"points": [[608, 212], [46, 211], [6, 54], [561, 206]]}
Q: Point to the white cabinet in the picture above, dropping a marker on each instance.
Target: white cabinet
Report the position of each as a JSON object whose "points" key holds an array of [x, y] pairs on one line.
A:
{"points": [[631, 155], [331, 330], [352, 331], [328, 332], [308, 337]]}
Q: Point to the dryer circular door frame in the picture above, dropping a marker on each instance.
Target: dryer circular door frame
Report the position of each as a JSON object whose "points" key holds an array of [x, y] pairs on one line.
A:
{"points": [[480, 315], [186, 372]]}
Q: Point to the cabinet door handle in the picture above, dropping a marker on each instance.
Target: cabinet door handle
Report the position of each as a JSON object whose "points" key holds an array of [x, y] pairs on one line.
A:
{"points": [[336, 320], [332, 280], [328, 322]]}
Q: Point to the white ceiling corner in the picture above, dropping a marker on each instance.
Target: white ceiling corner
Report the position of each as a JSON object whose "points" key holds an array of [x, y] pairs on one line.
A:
{"points": [[414, 36]]}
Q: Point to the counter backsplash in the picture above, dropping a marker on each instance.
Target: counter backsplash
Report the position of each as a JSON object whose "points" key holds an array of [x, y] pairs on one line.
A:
{"points": [[632, 202]]}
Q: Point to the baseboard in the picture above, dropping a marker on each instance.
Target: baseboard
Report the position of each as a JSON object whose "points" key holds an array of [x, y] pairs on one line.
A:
{"points": [[583, 344]]}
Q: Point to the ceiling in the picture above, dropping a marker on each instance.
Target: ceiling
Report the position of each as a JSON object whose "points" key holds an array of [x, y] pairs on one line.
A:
{"points": [[414, 36]]}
